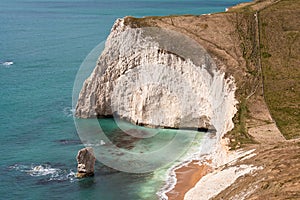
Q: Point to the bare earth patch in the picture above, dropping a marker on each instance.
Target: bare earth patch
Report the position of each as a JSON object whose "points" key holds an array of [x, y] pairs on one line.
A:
{"points": [[279, 177]]}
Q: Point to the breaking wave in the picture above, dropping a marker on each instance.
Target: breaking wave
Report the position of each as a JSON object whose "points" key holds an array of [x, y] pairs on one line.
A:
{"points": [[6, 63], [45, 170]]}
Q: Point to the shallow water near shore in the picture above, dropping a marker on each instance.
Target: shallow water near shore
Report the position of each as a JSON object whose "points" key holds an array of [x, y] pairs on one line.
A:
{"points": [[46, 41]]}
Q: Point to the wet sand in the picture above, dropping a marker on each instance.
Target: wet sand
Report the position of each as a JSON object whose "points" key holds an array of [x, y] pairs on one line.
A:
{"points": [[187, 177]]}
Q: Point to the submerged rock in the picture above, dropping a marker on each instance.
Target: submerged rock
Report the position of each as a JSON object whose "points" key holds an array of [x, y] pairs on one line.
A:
{"points": [[86, 162]]}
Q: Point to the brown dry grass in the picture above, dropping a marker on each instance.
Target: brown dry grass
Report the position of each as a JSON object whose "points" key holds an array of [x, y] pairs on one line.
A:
{"points": [[279, 178], [280, 47], [241, 46]]}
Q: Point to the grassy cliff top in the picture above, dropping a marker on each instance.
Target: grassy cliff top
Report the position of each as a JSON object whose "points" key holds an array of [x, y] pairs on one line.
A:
{"points": [[280, 56], [258, 43]]}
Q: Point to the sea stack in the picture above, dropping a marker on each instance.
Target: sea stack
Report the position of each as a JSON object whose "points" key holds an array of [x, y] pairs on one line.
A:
{"points": [[85, 162]]}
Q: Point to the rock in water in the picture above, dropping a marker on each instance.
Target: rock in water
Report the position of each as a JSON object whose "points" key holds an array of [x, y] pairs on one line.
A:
{"points": [[86, 162]]}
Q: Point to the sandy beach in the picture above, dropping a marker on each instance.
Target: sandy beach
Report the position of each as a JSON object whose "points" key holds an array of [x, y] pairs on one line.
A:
{"points": [[187, 177]]}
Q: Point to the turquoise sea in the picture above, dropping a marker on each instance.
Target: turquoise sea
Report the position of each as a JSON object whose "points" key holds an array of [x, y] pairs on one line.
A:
{"points": [[47, 40]]}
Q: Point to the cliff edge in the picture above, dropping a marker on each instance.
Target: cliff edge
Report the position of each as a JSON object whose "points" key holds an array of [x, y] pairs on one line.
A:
{"points": [[158, 77]]}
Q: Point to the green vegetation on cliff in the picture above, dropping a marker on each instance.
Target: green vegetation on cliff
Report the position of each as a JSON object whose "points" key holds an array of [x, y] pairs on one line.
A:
{"points": [[270, 42], [280, 47], [258, 42]]}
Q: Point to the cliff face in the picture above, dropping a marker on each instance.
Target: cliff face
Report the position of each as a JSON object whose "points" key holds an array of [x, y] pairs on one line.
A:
{"points": [[171, 81], [158, 77], [176, 46]]}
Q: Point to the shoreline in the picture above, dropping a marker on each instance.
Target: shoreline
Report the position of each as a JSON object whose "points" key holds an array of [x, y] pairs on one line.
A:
{"points": [[187, 176], [208, 162], [197, 164]]}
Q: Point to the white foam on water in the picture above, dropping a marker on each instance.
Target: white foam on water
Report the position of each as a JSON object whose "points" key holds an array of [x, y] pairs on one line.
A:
{"points": [[45, 170], [202, 152], [171, 181], [69, 111], [196, 152], [71, 176], [41, 170], [6, 64]]}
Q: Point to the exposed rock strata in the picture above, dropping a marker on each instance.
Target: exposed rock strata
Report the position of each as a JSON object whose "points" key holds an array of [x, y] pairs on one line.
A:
{"points": [[86, 162], [145, 77]]}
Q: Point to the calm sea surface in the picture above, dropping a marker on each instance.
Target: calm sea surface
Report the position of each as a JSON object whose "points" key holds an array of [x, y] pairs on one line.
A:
{"points": [[47, 41]]}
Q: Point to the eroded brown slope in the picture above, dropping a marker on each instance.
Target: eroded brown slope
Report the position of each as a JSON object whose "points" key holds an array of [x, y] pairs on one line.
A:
{"points": [[279, 178]]}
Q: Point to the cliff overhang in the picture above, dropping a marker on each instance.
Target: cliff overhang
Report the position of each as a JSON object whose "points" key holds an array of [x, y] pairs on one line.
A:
{"points": [[158, 77]]}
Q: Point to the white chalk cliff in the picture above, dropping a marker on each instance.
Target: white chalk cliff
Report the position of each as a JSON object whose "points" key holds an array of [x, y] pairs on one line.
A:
{"points": [[157, 77]]}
